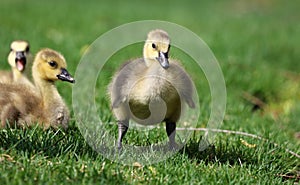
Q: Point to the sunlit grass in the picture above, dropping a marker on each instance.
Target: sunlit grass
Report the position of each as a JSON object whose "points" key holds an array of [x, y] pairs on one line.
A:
{"points": [[257, 46]]}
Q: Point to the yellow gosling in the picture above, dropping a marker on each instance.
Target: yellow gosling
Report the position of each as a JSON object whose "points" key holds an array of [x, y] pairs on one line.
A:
{"points": [[151, 89], [24, 106]]}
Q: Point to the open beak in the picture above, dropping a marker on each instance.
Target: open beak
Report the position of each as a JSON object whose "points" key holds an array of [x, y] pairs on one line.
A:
{"points": [[65, 76], [163, 59], [20, 60]]}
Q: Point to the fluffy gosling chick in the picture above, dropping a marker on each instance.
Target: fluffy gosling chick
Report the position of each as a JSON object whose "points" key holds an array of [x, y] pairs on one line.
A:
{"points": [[151, 89], [25, 106], [20, 60]]}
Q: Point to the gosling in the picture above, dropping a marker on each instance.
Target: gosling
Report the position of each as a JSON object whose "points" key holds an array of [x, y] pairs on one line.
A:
{"points": [[24, 106], [151, 89], [20, 60]]}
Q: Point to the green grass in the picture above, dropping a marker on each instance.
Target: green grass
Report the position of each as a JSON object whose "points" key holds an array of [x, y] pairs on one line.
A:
{"points": [[257, 46]]}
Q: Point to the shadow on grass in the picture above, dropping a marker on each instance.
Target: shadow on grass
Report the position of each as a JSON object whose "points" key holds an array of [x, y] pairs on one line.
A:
{"points": [[264, 156], [71, 144], [50, 143], [225, 151]]}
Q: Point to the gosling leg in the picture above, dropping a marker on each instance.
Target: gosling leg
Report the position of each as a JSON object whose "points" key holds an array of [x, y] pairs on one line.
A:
{"points": [[171, 132], [122, 127]]}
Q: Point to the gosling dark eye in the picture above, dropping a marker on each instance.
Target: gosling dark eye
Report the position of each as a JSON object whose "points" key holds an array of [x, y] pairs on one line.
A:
{"points": [[27, 49], [52, 63], [10, 49], [153, 46]]}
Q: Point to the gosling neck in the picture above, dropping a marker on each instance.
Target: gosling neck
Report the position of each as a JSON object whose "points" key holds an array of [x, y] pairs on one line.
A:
{"points": [[148, 61], [47, 92], [22, 78], [16, 74]]}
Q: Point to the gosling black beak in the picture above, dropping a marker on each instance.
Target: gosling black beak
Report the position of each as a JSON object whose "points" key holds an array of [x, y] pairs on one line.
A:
{"points": [[65, 76], [20, 60], [163, 59]]}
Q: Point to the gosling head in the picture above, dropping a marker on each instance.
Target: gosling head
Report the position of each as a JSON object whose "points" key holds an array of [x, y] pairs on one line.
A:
{"points": [[51, 66], [156, 48], [19, 51]]}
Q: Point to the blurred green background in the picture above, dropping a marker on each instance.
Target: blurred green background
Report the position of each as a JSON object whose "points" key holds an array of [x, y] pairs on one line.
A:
{"points": [[255, 42]]}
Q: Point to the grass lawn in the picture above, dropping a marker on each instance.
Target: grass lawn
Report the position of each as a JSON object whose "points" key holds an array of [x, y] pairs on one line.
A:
{"points": [[257, 46]]}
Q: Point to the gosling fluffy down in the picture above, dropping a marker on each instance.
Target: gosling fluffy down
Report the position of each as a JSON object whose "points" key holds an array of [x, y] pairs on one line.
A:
{"points": [[151, 89], [24, 106]]}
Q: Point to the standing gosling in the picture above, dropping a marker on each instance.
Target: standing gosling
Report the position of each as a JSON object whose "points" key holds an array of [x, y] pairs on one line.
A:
{"points": [[20, 60], [25, 106], [151, 90]]}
